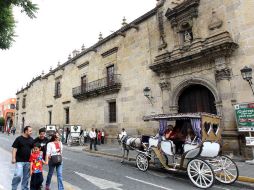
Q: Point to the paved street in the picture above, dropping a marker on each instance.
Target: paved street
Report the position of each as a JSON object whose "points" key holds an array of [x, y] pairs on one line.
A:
{"points": [[87, 171]]}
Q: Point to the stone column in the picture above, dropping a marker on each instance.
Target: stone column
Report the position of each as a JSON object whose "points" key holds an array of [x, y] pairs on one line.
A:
{"points": [[165, 89], [225, 108]]}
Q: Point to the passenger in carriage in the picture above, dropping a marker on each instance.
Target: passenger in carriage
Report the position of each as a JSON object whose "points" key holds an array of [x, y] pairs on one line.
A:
{"points": [[177, 135], [190, 137]]}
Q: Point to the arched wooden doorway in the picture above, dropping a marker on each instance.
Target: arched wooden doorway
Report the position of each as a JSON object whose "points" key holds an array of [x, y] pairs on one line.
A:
{"points": [[196, 98]]}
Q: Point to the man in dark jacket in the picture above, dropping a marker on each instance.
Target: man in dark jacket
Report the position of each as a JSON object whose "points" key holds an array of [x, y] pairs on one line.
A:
{"points": [[21, 151], [43, 140]]}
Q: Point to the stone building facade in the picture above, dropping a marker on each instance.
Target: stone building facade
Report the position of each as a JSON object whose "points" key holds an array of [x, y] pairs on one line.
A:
{"points": [[186, 53]]}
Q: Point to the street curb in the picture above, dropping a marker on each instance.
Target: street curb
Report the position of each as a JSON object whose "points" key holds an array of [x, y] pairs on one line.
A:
{"points": [[244, 179]]}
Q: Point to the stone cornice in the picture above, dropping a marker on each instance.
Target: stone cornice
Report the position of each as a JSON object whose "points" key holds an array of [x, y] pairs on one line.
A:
{"points": [[109, 52], [215, 46]]}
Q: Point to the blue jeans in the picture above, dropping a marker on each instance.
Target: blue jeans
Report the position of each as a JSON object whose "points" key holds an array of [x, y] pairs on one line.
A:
{"points": [[22, 169], [59, 170]]}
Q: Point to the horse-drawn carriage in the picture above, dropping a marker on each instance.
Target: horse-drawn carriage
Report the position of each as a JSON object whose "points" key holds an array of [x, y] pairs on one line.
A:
{"points": [[201, 158], [72, 135], [50, 130]]}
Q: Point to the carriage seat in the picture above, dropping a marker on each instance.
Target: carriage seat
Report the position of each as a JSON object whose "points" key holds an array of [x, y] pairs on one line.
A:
{"points": [[168, 147], [187, 147], [153, 142]]}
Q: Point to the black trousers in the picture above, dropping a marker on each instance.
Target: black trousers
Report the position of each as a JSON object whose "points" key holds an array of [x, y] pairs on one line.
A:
{"points": [[36, 181], [93, 142]]}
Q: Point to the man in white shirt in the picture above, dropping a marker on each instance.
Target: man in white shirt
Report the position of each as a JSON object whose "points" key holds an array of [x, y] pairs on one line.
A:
{"points": [[92, 136]]}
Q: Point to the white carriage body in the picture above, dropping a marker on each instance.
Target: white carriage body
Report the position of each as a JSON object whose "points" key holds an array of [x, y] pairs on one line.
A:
{"points": [[75, 131]]}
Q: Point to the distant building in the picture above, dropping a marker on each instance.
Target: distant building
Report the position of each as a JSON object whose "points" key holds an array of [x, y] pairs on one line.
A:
{"points": [[183, 55], [7, 111]]}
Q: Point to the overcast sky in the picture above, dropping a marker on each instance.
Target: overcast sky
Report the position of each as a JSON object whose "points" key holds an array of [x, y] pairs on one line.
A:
{"points": [[60, 27]]}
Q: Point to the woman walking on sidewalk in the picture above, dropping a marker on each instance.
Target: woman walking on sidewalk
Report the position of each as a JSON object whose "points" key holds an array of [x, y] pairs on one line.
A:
{"points": [[54, 160]]}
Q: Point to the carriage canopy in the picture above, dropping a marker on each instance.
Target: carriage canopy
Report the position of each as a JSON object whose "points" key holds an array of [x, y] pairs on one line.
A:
{"points": [[205, 126]]}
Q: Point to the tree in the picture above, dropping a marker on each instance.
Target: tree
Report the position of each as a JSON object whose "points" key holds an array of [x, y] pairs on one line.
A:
{"points": [[7, 22], [1, 121]]}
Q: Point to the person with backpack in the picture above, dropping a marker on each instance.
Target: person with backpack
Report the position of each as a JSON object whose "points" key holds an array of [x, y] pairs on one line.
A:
{"points": [[54, 160]]}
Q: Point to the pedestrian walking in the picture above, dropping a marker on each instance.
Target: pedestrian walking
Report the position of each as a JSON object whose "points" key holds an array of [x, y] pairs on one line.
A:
{"points": [[99, 137], [20, 156], [36, 164], [13, 130], [92, 135], [102, 136], [85, 134], [43, 140], [54, 160]]}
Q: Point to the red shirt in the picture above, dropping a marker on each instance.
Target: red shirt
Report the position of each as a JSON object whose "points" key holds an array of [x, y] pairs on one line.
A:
{"points": [[36, 161]]}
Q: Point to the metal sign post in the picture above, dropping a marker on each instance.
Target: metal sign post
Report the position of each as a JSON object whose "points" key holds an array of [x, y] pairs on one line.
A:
{"points": [[244, 113]]}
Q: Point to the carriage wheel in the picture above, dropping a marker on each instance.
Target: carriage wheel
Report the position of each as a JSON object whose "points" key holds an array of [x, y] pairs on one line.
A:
{"points": [[69, 141], [225, 170], [142, 162], [200, 173], [81, 141]]}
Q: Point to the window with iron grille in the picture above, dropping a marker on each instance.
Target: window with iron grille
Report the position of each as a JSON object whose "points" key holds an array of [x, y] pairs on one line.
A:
{"points": [[112, 112], [57, 89], [83, 83], [50, 117], [110, 75], [67, 115], [24, 102], [17, 105]]}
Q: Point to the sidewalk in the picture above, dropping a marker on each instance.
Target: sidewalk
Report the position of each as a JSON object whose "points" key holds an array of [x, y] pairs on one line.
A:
{"points": [[246, 171]]}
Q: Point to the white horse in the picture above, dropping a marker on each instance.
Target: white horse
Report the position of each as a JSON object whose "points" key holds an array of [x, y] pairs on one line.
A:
{"points": [[129, 143]]}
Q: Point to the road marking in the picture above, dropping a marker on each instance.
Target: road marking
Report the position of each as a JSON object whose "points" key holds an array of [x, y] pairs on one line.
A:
{"points": [[148, 183], [101, 183], [221, 187]]}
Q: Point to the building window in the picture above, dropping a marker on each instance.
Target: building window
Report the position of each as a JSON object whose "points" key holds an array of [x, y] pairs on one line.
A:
{"points": [[12, 106], [57, 89], [67, 115], [17, 105], [24, 102], [50, 117], [112, 112], [110, 75], [83, 83]]}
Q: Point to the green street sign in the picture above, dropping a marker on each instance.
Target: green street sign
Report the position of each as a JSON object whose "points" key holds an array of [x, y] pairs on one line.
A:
{"points": [[244, 113]]}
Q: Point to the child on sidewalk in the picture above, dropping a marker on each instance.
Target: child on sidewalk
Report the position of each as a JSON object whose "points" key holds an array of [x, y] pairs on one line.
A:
{"points": [[36, 162]]}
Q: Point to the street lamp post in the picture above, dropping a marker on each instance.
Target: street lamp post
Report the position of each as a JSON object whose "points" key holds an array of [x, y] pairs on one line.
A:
{"points": [[247, 75]]}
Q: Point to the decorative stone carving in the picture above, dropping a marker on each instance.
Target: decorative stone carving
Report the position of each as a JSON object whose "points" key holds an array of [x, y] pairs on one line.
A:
{"points": [[163, 44], [177, 2], [219, 45], [160, 3], [215, 22], [224, 74], [164, 85], [181, 18]]}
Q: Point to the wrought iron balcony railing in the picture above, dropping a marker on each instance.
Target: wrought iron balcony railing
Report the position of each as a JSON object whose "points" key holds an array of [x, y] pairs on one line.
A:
{"points": [[98, 87]]}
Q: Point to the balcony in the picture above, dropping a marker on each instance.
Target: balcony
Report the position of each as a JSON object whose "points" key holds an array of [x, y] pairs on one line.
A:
{"points": [[98, 87]]}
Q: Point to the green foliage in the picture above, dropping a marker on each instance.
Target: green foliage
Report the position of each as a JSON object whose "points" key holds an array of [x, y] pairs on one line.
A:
{"points": [[1, 121], [7, 22]]}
